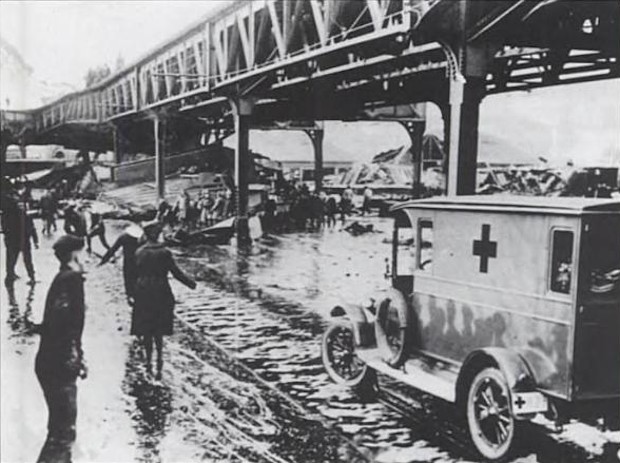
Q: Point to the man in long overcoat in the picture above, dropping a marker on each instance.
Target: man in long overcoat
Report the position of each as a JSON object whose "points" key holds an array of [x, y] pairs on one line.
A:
{"points": [[59, 360], [153, 311], [19, 232]]}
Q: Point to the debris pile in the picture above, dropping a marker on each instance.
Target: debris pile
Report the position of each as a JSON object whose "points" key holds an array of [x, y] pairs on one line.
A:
{"points": [[536, 181], [382, 174]]}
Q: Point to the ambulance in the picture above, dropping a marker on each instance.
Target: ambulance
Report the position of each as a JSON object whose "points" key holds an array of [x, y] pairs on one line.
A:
{"points": [[507, 306]]}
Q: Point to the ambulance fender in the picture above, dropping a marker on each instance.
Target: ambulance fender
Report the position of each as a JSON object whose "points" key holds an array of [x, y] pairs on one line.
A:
{"points": [[514, 367], [363, 330]]}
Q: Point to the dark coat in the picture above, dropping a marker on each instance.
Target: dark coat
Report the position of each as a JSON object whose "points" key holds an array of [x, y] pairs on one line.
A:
{"points": [[130, 245], [60, 350], [154, 302], [18, 227], [75, 223]]}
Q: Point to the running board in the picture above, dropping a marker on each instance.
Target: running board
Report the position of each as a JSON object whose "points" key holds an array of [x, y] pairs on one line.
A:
{"points": [[434, 377]]}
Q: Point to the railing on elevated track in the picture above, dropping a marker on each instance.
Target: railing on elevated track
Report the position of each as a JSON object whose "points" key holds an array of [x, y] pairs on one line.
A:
{"points": [[236, 49], [247, 39]]}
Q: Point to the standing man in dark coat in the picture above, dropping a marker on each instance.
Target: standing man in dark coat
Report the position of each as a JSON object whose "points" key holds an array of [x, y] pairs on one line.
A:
{"points": [[153, 311], [129, 240], [19, 231], [49, 207], [59, 361], [75, 224]]}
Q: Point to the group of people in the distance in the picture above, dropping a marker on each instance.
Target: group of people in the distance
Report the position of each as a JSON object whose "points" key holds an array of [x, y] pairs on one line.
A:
{"points": [[60, 360], [203, 210], [312, 210]]}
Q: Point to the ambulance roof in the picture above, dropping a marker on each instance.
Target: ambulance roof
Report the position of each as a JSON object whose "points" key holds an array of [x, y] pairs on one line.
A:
{"points": [[515, 204]]}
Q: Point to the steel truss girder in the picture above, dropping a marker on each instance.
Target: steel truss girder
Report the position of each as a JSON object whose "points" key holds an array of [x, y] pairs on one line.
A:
{"points": [[283, 47], [245, 39], [520, 70]]}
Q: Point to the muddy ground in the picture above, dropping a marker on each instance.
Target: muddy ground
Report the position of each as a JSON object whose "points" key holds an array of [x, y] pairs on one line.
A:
{"points": [[243, 379]]}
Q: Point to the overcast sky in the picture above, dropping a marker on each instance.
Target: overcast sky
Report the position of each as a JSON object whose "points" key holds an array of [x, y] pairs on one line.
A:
{"points": [[61, 40]]}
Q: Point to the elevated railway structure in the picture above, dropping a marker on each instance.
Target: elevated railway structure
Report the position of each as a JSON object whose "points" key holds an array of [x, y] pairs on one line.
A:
{"points": [[294, 63]]}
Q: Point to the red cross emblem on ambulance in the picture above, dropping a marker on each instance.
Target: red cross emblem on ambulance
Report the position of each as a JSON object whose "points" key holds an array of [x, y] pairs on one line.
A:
{"points": [[485, 248]]}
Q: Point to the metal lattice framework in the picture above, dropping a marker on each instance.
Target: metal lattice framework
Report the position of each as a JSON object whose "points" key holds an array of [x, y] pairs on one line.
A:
{"points": [[235, 48], [374, 52]]}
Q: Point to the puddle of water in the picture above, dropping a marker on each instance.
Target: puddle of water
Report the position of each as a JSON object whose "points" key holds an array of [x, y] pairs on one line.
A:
{"points": [[269, 305]]}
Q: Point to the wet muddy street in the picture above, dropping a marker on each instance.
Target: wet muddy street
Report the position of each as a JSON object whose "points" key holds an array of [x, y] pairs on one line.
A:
{"points": [[267, 306]]}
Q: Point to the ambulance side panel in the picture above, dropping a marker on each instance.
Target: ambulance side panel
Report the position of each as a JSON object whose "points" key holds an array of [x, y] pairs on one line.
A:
{"points": [[597, 333], [463, 304]]}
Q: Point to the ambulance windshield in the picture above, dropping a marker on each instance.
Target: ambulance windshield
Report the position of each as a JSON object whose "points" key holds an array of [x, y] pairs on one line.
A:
{"points": [[602, 256]]}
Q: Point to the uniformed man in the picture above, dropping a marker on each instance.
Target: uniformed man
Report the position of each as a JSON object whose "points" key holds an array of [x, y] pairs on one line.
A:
{"points": [[60, 361]]}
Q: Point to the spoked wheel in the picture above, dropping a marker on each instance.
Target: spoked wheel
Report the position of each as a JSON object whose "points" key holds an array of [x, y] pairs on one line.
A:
{"points": [[342, 364], [491, 424]]}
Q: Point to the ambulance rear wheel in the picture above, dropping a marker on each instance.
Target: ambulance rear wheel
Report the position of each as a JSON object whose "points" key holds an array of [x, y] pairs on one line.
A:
{"points": [[492, 427], [343, 365]]}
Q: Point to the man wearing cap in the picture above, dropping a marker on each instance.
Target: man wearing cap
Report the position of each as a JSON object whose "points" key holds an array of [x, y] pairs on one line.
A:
{"points": [[59, 361], [129, 240]]}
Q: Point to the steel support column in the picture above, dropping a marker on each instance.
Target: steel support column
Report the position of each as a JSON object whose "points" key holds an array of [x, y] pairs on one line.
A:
{"points": [[316, 137], [242, 109], [462, 119], [159, 137], [415, 129], [118, 148]]}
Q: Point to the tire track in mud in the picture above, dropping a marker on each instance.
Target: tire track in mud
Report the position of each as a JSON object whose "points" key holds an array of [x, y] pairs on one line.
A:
{"points": [[280, 340], [209, 405]]}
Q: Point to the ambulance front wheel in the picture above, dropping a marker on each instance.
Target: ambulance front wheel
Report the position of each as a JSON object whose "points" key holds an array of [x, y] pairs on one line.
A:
{"points": [[342, 364], [492, 427]]}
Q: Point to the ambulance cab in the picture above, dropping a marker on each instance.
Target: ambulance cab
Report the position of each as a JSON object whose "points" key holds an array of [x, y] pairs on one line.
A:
{"points": [[506, 306]]}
